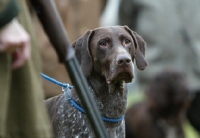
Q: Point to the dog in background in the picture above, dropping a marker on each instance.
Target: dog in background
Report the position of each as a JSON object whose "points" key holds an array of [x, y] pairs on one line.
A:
{"points": [[106, 57], [162, 114]]}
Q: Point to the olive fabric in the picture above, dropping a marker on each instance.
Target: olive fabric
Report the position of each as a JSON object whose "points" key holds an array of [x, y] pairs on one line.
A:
{"points": [[22, 111]]}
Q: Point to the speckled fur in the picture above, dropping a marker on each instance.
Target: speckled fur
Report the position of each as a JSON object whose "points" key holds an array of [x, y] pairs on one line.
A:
{"points": [[106, 80], [70, 122]]}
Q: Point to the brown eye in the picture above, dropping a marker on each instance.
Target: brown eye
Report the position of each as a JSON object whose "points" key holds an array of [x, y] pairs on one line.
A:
{"points": [[127, 41], [103, 43]]}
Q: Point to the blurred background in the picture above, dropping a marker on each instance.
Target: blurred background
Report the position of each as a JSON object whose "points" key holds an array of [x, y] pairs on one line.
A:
{"points": [[78, 16], [170, 28]]}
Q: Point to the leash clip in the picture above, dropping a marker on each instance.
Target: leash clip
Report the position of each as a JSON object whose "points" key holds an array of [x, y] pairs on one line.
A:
{"points": [[67, 92]]}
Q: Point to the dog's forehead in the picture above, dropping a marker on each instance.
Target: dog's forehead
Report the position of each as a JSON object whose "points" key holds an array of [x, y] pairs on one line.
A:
{"points": [[110, 31]]}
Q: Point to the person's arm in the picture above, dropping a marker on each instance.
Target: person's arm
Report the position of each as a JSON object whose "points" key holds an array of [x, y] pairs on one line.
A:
{"points": [[9, 9]]}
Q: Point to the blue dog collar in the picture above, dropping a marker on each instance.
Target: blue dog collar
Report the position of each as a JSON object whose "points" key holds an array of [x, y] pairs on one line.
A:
{"points": [[66, 88]]}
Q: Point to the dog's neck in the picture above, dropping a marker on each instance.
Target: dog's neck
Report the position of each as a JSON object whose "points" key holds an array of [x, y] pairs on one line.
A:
{"points": [[165, 112], [170, 114], [111, 104]]}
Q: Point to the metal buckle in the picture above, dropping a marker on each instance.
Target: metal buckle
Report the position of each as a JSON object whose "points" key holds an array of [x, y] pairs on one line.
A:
{"points": [[67, 92]]}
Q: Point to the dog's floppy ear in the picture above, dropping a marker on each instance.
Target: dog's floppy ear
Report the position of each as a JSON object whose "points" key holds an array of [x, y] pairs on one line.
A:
{"points": [[82, 52], [140, 46]]}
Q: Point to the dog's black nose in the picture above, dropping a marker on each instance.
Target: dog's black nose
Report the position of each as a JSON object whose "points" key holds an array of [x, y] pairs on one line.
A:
{"points": [[123, 60]]}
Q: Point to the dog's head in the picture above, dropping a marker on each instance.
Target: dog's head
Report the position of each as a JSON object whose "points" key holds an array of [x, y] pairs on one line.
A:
{"points": [[168, 93], [111, 52]]}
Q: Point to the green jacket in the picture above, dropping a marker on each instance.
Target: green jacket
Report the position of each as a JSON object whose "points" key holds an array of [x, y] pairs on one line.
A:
{"points": [[22, 111], [6, 15]]}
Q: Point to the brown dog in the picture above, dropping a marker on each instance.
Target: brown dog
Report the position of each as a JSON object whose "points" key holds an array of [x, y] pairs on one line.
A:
{"points": [[106, 57], [161, 114]]}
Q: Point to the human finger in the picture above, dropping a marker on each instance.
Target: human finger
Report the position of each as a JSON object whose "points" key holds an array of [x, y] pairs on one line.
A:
{"points": [[21, 55], [18, 59], [9, 47]]}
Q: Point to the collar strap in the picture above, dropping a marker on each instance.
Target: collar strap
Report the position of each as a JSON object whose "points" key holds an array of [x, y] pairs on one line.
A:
{"points": [[111, 120], [67, 92]]}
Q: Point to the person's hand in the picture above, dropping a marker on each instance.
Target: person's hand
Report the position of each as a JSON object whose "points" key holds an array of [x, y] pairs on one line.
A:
{"points": [[16, 41]]}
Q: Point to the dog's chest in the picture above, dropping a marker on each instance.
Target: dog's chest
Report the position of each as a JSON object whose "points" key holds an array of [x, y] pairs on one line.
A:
{"points": [[70, 122], [171, 133], [169, 130]]}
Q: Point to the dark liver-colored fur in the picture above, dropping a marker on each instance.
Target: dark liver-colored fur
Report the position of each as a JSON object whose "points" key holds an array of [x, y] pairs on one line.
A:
{"points": [[106, 58], [161, 115]]}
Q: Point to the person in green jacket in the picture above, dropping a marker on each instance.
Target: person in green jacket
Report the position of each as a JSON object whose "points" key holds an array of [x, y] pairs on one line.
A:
{"points": [[22, 111]]}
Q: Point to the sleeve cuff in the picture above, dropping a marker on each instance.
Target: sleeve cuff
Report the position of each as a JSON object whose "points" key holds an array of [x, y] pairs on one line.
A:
{"points": [[11, 11]]}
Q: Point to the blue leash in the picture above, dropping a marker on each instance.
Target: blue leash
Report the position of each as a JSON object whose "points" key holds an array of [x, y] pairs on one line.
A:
{"points": [[64, 85], [66, 88]]}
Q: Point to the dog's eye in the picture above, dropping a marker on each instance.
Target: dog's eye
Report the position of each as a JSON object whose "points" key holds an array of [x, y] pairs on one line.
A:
{"points": [[127, 41], [103, 43]]}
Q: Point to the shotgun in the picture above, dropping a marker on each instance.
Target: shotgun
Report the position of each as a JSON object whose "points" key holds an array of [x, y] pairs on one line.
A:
{"points": [[55, 30]]}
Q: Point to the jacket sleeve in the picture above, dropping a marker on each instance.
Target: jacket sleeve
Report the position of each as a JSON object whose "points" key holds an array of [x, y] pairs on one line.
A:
{"points": [[9, 9]]}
